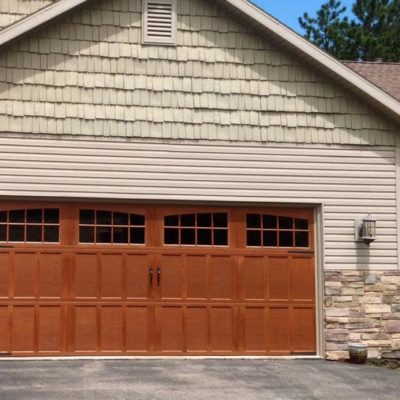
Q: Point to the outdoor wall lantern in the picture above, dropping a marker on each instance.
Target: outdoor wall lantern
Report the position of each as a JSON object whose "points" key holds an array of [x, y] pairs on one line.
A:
{"points": [[365, 230]]}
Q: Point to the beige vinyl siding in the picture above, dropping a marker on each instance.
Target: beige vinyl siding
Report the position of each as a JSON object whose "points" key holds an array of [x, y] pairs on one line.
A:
{"points": [[90, 74], [350, 181], [13, 10]]}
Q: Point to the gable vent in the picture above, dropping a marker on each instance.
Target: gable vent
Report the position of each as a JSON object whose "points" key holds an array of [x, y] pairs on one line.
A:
{"points": [[159, 21]]}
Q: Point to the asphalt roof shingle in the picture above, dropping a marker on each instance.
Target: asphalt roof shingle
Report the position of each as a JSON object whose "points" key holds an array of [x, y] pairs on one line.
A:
{"points": [[384, 75]]}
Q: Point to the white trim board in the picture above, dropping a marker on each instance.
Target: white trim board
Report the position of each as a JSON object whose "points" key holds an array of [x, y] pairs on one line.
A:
{"points": [[319, 248], [397, 161], [270, 25]]}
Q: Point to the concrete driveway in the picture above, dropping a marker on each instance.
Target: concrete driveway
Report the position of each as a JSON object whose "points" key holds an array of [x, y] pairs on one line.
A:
{"points": [[195, 379]]}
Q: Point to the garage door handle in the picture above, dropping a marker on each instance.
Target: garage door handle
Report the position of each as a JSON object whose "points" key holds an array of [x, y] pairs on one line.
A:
{"points": [[158, 276], [151, 276]]}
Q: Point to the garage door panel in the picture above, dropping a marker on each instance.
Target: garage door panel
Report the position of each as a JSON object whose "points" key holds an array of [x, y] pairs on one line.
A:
{"points": [[253, 278], [169, 280], [254, 329], [196, 277], [4, 275], [279, 278], [137, 276], [23, 329], [302, 275], [85, 276], [221, 329], [279, 328], [304, 330], [85, 329], [51, 276], [197, 329], [169, 321], [112, 329], [222, 275], [50, 329], [4, 329], [139, 328], [195, 280], [25, 266], [112, 276]]}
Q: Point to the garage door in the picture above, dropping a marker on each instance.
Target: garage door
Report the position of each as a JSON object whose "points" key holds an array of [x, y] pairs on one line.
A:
{"points": [[112, 279]]}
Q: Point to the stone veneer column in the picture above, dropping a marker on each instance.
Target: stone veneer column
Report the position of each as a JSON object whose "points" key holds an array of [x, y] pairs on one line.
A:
{"points": [[364, 307]]}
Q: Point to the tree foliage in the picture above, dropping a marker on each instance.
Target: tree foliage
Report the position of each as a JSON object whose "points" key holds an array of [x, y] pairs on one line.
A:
{"points": [[373, 33]]}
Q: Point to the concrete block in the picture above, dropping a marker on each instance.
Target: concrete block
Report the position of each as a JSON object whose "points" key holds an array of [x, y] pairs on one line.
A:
{"points": [[374, 352], [354, 337], [391, 354], [337, 355], [337, 312], [352, 291], [342, 299], [371, 298], [378, 343], [396, 344], [334, 346], [377, 308], [392, 326], [392, 280], [379, 288], [370, 279]]}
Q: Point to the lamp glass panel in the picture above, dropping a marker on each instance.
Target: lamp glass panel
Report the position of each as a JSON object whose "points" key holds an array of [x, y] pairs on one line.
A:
{"points": [[368, 229]]}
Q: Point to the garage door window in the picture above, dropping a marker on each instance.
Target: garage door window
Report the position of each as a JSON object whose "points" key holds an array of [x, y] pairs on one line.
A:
{"points": [[110, 227], [203, 229], [263, 230], [37, 225]]}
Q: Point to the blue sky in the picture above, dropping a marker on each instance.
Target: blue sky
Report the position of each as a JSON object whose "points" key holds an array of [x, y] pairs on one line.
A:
{"points": [[287, 11]]}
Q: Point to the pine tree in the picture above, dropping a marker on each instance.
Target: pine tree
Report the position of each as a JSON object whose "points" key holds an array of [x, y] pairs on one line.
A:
{"points": [[329, 29], [374, 33]]}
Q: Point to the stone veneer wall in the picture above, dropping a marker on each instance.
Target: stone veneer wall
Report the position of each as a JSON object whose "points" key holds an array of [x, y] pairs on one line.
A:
{"points": [[364, 307]]}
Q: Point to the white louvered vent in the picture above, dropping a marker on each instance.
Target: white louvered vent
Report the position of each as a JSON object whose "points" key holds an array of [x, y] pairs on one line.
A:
{"points": [[159, 21]]}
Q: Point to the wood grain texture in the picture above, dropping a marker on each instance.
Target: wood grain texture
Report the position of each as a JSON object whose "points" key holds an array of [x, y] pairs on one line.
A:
{"points": [[229, 300]]}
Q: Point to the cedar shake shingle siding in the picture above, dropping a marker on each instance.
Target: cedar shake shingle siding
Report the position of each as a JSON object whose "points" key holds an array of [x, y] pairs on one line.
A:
{"points": [[89, 74], [13, 10]]}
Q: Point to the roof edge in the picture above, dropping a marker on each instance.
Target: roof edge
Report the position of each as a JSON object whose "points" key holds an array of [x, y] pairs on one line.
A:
{"points": [[37, 19]]}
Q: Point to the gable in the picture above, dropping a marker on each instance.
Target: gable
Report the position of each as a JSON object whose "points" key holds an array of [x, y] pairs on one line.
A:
{"points": [[89, 74]]}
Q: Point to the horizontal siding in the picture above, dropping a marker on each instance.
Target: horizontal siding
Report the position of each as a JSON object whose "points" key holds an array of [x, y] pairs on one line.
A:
{"points": [[350, 181]]}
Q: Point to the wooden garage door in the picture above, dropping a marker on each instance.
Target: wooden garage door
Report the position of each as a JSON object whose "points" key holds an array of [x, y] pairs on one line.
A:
{"points": [[111, 279]]}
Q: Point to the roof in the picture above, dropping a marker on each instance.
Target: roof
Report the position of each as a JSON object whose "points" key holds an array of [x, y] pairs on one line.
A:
{"points": [[266, 24], [384, 75]]}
